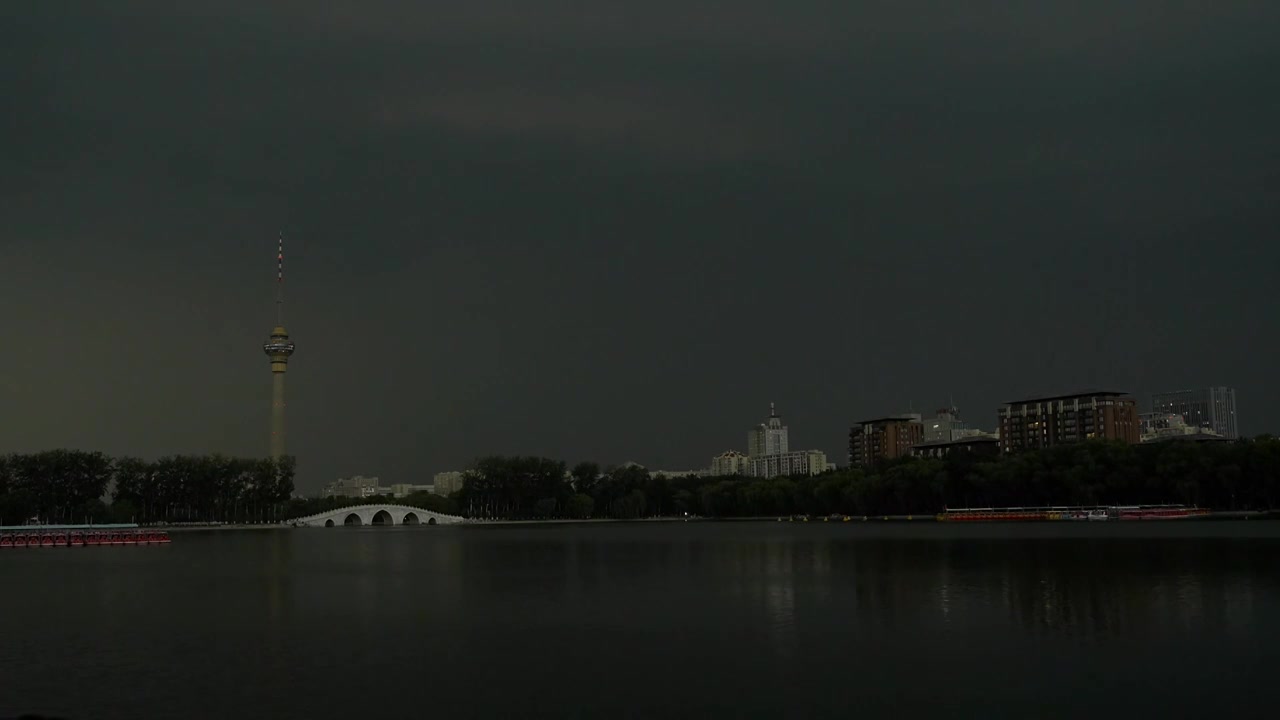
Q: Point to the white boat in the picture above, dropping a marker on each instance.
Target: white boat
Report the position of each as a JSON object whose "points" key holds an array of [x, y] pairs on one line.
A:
{"points": [[1098, 515]]}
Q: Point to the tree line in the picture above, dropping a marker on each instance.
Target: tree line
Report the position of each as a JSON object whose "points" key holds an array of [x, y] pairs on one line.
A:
{"points": [[68, 486], [1241, 475], [73, 486]]}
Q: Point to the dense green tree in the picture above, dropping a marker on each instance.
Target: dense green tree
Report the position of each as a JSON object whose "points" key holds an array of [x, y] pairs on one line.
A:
{"points": [[1242, 475], [61, 486], [586, 475], [545, 508], [66, 486], [512, 486], [431, 501], [580, 506]]}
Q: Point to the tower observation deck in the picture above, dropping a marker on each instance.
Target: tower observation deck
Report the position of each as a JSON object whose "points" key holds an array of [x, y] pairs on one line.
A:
{"points": [[278, 349]]}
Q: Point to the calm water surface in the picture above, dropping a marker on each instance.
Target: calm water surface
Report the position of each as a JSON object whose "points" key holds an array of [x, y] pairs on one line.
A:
{"points": [[651, 620]]}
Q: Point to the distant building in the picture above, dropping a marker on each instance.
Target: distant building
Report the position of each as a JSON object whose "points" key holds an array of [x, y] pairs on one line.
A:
{"points": [[946, 426], [655, 473], [405, 489], [357, 486], [1204, 436], [1156, 426], [769, 455], [730, 462], [1153, 425], [873, 441], [978, 445], [768, 438], [943, 426], [796, 462], [677, 473], [447, 483], [1064, 419], [1213, 408]]}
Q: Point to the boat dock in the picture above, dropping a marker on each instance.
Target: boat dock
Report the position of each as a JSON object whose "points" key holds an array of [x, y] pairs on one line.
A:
{"points": [[32, 536]]}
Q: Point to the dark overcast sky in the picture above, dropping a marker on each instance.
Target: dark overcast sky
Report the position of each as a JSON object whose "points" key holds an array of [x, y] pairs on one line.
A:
{"points": [[618, 230]]}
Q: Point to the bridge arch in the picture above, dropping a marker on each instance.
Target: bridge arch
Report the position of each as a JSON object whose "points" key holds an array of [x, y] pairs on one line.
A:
{"points": [[377, 514]]}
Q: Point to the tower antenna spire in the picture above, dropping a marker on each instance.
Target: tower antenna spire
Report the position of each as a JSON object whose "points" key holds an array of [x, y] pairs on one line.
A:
{"points": [[280, 280]]}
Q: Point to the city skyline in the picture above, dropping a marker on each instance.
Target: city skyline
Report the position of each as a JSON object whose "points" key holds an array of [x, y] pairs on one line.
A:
{"points": [[519, 230]]}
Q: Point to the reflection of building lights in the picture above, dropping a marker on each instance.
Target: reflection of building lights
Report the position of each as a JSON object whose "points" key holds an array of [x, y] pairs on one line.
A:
{"points": [[780, 602]]}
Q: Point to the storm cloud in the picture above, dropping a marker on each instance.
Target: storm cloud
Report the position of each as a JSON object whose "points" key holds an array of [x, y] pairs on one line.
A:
{"points": [[618, 230]]}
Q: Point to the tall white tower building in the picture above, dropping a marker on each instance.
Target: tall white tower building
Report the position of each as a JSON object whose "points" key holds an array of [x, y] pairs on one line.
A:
{"points": [[768, 438]]}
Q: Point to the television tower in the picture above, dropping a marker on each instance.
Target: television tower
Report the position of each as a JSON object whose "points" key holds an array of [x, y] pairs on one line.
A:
{"points": [[278, 348]]}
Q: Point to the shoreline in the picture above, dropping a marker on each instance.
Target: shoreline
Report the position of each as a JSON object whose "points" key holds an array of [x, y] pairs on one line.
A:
{"points": [[923, 518]]}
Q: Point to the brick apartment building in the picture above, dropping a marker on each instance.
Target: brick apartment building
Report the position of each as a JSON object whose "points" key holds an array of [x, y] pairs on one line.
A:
{"points": [[872, 441], [1064, 419]]}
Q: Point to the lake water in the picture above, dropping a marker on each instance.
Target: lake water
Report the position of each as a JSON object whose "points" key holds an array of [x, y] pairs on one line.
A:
{"points": [[652, 620]]}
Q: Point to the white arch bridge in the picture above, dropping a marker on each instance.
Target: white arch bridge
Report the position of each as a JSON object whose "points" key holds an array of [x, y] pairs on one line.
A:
{"points": [[376, 515]]}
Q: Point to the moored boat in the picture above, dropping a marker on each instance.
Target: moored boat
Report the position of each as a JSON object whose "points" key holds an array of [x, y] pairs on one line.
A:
{"points": [[28, 536]]}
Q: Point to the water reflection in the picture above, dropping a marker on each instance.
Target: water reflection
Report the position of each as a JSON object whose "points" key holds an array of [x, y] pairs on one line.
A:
{"points": [[275, 569], [788, 584], [700, 618], [1062, 587]]}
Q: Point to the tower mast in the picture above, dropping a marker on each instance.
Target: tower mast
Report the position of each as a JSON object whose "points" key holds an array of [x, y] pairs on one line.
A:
{"points": [[278, 349]]}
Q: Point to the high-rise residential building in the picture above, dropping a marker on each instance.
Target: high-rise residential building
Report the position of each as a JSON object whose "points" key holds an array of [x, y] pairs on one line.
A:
{"points": [[873, 441], [730, 462], [768, 438], [1213, 408], [1063, 419], [447, 483], [795, 462], [818, 462]]}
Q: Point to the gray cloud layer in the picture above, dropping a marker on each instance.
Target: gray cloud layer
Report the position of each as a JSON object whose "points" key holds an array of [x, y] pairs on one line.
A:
{"points": [[617, 230]]}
